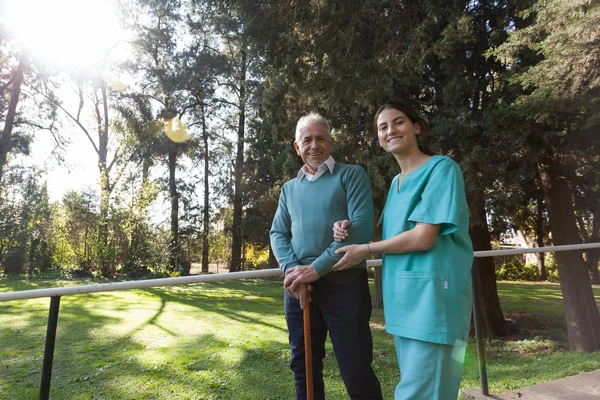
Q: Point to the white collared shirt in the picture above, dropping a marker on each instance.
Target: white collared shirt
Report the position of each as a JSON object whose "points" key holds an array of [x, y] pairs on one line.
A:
{"points": [[327, 165]]}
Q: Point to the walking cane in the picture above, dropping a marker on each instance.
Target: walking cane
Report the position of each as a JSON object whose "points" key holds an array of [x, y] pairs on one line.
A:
{"points": [[308, 348]]}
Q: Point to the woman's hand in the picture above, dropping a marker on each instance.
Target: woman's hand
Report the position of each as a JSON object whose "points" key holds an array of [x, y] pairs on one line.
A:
{"points": [[354, 254], [340, 230]]}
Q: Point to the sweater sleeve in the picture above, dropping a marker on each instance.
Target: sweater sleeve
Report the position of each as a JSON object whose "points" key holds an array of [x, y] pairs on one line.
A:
{"points": [[360, 211], [281, 235]]}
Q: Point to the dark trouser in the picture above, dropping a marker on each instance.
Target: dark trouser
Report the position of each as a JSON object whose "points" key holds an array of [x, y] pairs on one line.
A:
{"points": [[343, 308]]}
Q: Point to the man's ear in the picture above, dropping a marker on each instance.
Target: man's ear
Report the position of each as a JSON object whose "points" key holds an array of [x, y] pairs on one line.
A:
{"points": [[297, 148]]}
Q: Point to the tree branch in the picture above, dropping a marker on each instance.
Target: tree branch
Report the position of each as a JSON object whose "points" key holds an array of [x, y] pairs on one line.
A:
{"points": [[76, 120]]}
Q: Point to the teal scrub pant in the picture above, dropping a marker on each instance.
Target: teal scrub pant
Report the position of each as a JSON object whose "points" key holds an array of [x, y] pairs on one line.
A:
{"points": [[428, 371]]}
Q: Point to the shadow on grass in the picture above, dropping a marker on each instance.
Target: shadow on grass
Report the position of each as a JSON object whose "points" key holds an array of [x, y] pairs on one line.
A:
{"points": [[247, 359], [223, 300], [91, 362], [203, 367], [24, 338], [136, 344]]}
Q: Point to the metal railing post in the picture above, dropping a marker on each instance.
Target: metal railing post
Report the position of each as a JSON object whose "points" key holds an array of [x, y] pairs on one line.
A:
{"points": [[49, 350], [479, 339]]}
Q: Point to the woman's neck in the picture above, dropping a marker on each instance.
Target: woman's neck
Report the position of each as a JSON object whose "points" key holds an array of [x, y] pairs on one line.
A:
{"points": [[409, 162]]}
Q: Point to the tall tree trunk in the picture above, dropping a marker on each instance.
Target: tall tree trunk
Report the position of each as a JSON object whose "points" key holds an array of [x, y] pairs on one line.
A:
{"points": [[593, 263], [484, 274], [581, 311], [174, 242], [272, 260], [146, 163], [593, 255], [236, 236], [105, 189], [540, 234], [205, 213], [12, 111], [33, 250]]}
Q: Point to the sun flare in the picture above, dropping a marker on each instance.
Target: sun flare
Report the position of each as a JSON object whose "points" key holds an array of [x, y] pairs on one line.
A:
{"points": [[67, 33]]}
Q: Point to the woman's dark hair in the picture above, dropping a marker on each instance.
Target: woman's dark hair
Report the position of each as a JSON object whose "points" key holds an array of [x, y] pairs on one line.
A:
{"points": [[414, 117]]}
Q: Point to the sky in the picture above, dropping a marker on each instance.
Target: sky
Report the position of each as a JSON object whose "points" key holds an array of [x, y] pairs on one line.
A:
{"points": [[67, 34], [63, 32]]}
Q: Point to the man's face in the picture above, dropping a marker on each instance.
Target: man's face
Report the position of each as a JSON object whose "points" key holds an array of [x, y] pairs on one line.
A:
{"points": [[314, 145]]}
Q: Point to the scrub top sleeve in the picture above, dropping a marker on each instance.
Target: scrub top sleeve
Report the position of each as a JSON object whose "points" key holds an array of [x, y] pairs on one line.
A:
{"points": [[443, 198]]}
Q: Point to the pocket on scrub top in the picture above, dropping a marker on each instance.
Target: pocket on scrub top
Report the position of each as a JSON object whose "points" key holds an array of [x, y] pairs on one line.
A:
{"points": [[420, 301]]}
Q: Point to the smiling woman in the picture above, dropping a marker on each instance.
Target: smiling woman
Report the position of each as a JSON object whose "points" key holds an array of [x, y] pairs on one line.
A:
{"points": [[68, 33]]}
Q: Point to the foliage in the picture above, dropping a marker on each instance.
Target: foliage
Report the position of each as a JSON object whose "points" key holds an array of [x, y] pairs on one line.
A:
{"points": [[220, 245], [256, 257], [26, 231], [515, 271], [553, 66], [78, 227], [563, 87], [26, 101]]}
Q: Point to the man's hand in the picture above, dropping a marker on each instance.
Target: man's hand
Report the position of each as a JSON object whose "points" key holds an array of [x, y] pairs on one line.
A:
{"points": [[340, 230], [299, 275], [354, 254], [300, 293]]}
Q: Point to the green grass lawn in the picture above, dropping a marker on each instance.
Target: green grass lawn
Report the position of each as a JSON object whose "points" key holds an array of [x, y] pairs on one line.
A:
{"points": [[229, 341]]}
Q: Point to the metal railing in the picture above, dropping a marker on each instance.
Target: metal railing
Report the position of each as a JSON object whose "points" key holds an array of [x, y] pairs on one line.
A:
{"points": [[56, 293]]}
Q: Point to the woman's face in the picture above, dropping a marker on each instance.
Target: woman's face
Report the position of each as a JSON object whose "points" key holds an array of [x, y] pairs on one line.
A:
{"points": [[396, 132]]}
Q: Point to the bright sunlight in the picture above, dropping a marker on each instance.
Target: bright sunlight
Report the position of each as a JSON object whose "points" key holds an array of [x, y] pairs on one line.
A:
{"points": [[68, 33]]}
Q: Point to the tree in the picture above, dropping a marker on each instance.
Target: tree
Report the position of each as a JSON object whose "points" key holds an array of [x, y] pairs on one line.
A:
{"points": [[587, 209], [560, 101], [15, 83], [265, 158], [22, 109], [77, 225], [94, 97], [35, 222], [181, 81], [142, 135], [157, 65], [343, 60], [201, 69], [240, 58]]}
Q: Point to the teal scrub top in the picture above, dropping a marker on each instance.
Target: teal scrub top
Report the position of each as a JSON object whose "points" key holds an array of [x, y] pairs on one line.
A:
{"points": [[427, 294]]}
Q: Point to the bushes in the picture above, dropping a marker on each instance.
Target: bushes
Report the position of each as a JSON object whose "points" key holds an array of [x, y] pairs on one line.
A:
{"points": [[516, 271], [256, 256]]}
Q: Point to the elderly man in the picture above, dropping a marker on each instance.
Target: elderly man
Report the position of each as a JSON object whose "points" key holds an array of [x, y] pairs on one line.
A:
{"points": [[301, 238]]}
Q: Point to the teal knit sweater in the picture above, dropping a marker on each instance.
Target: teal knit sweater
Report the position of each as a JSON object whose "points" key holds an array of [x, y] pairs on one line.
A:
{"points": [[301, 232]]}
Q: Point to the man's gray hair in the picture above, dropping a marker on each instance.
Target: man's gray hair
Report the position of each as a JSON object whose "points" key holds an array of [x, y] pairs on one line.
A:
{"points": [[309, 119]]}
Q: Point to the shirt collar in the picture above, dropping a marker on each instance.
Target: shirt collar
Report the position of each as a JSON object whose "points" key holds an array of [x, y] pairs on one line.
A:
{"points": [[329, 164]]}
